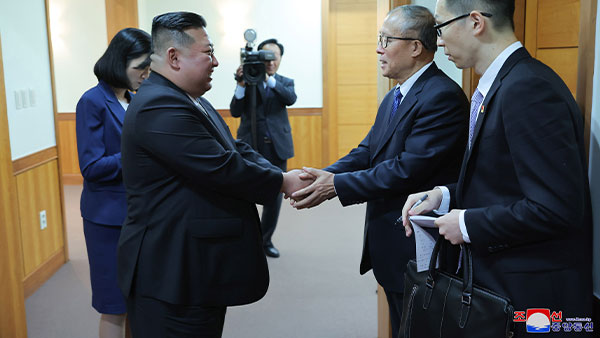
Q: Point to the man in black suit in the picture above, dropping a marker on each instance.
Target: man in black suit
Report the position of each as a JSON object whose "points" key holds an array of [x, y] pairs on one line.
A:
{"points": [[191, 244], [273, 131], [416, 141], [522, 197]]}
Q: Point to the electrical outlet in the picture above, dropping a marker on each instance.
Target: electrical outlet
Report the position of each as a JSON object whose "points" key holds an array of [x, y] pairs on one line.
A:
{"points": [[43, 223], [32, 101], [25, 98], [18, 102]]}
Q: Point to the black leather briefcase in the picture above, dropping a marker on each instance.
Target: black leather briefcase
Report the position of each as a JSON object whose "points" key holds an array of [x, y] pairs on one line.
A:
{"points": [[441, 304]]}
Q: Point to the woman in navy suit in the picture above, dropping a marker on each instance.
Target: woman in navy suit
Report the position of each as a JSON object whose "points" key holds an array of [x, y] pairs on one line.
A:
{"points": [[99, 119]]}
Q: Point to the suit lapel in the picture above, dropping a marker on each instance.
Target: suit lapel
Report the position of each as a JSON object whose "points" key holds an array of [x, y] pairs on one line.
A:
{"points": [[406, 106], [211, 123], [518, 55], [112, 103], [512, 60], [214, 121]]}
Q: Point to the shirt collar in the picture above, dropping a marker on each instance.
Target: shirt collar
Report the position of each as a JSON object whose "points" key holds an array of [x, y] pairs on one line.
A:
{"points": [[485, 83], [407, 85]]}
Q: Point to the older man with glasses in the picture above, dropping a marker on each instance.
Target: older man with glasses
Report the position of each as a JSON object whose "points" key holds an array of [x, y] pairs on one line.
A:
{"points": [[417, 140]]}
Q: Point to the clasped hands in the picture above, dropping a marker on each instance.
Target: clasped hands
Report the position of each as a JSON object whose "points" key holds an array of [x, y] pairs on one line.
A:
{"points": [[308, 187]]}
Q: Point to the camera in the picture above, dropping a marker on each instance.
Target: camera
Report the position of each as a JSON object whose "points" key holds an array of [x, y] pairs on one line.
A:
{"points": [[253, 61]]}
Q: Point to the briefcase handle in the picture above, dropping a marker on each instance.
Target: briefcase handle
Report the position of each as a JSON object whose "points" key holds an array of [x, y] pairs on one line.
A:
{"points": [[467, 267]]}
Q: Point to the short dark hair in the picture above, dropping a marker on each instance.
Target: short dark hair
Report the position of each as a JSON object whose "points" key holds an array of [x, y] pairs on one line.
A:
{"points": [[273, 41], [169, 27], [126, 45], [503, 11], [420, 20]]}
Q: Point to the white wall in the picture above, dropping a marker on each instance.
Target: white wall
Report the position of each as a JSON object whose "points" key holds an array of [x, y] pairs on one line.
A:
{"points": [[594, 168], [440, 59], [78, 38], [27, 69], [296, 24]]}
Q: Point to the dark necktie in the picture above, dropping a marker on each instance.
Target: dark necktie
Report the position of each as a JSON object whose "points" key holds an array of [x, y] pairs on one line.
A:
{"points": [[396, 104], [476, 100]]}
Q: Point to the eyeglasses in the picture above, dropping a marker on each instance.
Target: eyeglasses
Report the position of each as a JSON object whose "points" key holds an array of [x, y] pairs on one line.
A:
{"points": [[385, 40], [211, 52], [439, 26]]}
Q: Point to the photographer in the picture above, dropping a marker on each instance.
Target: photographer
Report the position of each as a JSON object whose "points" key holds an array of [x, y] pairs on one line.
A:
{"points": [[273, 131]]}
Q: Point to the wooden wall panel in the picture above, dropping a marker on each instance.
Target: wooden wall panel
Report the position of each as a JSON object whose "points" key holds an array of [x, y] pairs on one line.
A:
{"points": [[353, 16], [306, 132], [12, 302], [350, 137], [37, 190], [357, 64], [558, 23], [67, 149], [563, 62], [352, 106], [531, 23], [351, 74], [120, 14]]}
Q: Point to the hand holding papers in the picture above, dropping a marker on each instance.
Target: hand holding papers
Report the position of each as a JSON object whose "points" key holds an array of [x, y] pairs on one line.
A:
{"points": [[424, 242]]}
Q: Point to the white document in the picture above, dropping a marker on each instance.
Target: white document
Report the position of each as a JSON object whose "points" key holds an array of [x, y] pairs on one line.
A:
{"points": [[423, 240]]}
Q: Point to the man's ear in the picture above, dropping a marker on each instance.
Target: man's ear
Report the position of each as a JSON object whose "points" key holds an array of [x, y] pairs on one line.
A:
{"points": [[173, 57], [477, 22], [417, 48]]}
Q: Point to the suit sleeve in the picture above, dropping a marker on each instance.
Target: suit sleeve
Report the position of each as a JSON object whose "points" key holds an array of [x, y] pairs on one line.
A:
{"points": [[540, 134], [437, 128], [236, 107], [284, 89], [180, 138], [94, 163], [252, 155]]}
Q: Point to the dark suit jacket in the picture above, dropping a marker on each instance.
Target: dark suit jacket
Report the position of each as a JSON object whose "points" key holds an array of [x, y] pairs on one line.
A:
{"points": [[524, 185], [98, 123], [192, 232], [274, 109], [413, 152]]}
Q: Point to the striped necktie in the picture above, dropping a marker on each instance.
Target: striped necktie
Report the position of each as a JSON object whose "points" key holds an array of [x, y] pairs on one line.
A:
{"points": [[475, 103], [396, 104]]}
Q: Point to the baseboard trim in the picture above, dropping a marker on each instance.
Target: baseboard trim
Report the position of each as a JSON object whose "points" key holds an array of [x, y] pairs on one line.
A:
{"points": [[37, 278]]}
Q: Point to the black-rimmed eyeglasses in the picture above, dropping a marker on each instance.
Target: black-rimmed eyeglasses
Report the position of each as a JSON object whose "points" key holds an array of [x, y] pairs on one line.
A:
{"points": [[445, 23], [385, 40]]}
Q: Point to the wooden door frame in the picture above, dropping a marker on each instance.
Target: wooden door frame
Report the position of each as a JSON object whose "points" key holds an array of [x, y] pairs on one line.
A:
{"points": [[585, 64], [12, 321]]}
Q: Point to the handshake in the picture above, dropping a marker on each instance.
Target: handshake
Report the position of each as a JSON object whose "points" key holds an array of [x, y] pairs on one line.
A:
{"points": [[308, 187]]}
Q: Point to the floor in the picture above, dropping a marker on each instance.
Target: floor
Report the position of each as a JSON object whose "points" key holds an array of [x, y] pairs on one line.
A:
{"points": [[315, 291]]}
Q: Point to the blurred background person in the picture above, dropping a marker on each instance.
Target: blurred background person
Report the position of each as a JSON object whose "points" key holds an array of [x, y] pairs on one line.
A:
{"points": [[99, 119], [274, 134]]}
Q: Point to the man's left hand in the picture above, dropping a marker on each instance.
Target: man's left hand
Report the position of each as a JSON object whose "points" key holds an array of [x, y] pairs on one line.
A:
{"points": [[320, 190], [449, 227]]}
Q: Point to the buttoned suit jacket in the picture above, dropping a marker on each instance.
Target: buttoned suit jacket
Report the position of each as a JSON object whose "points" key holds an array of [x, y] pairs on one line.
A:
{"points": [[524, 185], [98, 124], [274, 108], [412, 152], [192, 233]]}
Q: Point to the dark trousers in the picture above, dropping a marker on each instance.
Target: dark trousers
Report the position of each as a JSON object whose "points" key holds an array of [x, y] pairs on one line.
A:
{"points": [[150, 318], [395, 303], [270, 213]]}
